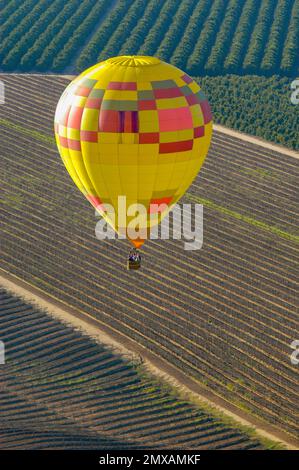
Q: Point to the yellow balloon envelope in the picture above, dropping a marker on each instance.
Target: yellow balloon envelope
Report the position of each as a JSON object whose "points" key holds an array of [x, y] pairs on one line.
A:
{"points": [[137, 127]]}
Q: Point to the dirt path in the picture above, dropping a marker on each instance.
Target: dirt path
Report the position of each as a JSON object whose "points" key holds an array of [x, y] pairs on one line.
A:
{"points": [[154, 364], [256, 140]]}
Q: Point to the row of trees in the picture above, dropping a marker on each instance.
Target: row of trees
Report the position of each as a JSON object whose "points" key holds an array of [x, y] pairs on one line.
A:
{"points": [[121, 32], [91, 12], [141, 30], [224, 37], [176, 30], [24, 17], [234, 60], [201, 37], [289, 63], [69, 29], [33, 54], [12, 13], [279, 28], [159, 28], [89, 53], [258, 39], [256, 105], [196, 21], [206, 38], [28, 31]]}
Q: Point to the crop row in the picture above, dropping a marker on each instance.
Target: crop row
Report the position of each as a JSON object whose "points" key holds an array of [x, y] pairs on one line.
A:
{"points": [[271, 395], [123, 325], [257, 324], [258, 106], [72, 387], [225, 315], [172, 352], [264, 283], [256, 327]]}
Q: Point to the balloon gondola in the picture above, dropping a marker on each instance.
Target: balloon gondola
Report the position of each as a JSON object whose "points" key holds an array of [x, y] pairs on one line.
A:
{"points": [[134, 259], [133, 126]]}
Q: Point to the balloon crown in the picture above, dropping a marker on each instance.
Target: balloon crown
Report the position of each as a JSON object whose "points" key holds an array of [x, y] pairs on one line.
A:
{"points": [[134, 60]]}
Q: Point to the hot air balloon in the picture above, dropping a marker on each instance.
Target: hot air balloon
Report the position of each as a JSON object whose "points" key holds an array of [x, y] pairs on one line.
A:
{"points": [[133, 126]]}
